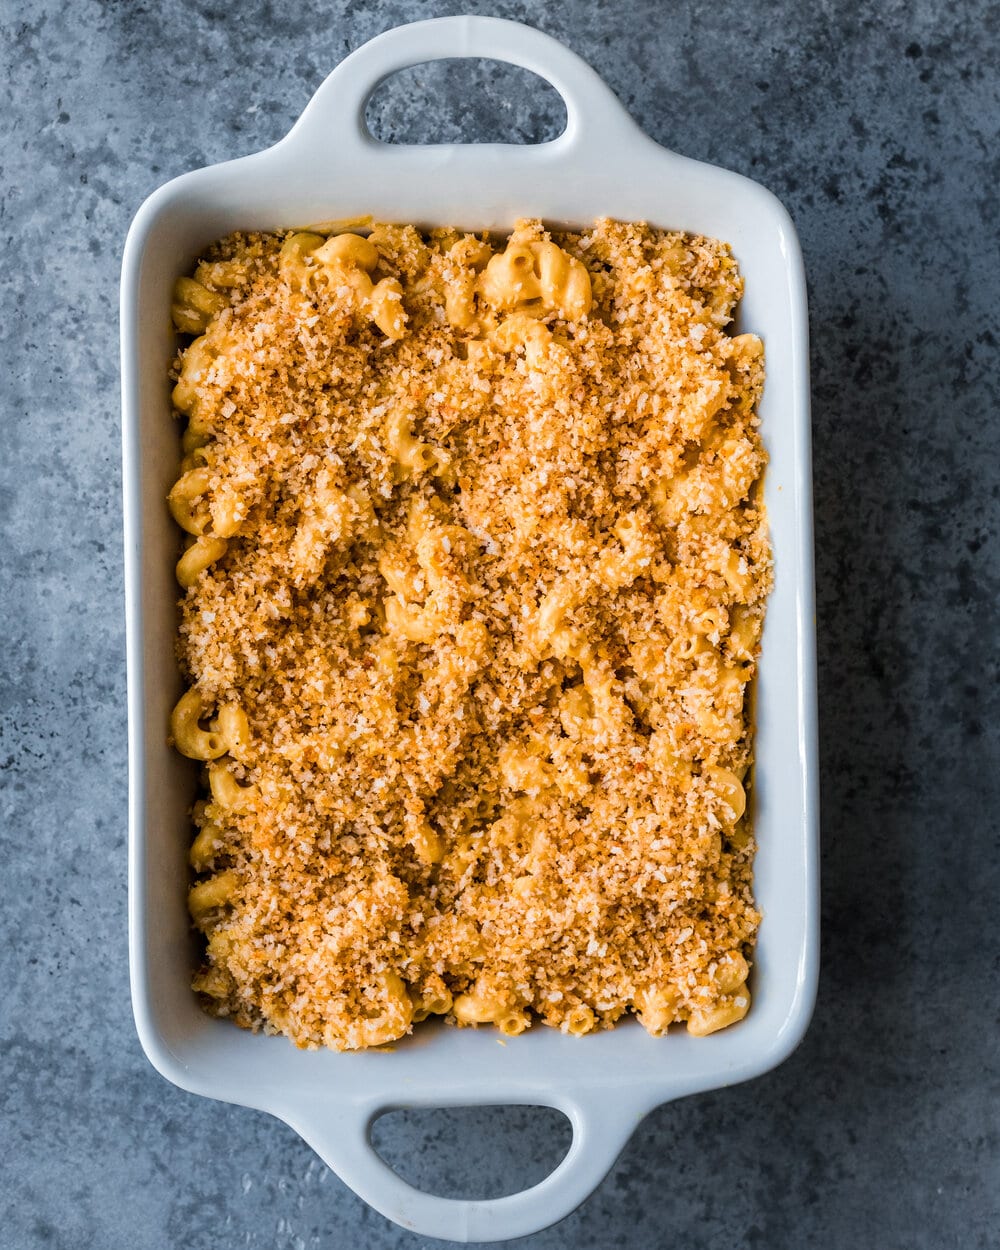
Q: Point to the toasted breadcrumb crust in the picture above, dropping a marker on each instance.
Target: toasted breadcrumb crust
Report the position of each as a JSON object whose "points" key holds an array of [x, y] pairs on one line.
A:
{"points": [[495, 686]]}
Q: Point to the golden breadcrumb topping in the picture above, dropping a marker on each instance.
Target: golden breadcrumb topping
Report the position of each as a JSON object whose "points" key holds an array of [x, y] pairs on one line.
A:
{"points": [[474, 590]]}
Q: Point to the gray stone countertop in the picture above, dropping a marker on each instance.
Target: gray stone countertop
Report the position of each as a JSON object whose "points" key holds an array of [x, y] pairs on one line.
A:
{"points": [[878, 126]]}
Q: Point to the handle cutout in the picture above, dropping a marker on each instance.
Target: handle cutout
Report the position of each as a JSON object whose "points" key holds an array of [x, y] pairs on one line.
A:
{"points": [[472, 1153], [465, 100]]}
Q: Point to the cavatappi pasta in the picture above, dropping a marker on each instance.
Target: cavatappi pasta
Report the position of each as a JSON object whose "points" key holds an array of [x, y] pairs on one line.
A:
{"points": [[473, 590]]}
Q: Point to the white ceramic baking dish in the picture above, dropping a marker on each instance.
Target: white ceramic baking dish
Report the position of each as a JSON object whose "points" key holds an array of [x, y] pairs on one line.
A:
{"points": [[328, 167]]}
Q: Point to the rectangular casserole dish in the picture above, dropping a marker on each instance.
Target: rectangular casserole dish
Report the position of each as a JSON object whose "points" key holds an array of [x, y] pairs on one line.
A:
{"points": [[330, 167]]}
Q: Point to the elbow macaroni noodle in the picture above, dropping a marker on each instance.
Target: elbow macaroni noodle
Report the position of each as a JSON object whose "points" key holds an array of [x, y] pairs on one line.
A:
{"points": [[472, 592]]}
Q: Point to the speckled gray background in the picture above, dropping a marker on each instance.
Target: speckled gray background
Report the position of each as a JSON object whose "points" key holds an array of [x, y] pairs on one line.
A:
{"points": [[877, 124]]}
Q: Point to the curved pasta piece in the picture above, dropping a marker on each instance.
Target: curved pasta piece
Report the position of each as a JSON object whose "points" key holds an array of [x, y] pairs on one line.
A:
{"points": [[189, 737], [194, 306], [235, 730], [729, 790], [732, 972], [391, 1023], [513, 1023], [228, 512], [706, 1020], [385, 307], [579, 1021], [348, 260], [202, 553], [187, 493], [426, 841], [656, 1006], [209, 896], [202, 851], [293, 265], [347, 249], [196, 363], [476, 1009], [416, 624], [520, 330], [525, 272], [227, 791], [411, 455]]}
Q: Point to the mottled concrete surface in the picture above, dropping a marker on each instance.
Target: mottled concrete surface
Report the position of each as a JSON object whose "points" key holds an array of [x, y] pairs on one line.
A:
{"points": [[877, 124]]}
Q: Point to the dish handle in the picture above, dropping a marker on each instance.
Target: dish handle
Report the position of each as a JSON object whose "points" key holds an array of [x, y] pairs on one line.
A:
{"points": [[335, 116], [602, 1123]]}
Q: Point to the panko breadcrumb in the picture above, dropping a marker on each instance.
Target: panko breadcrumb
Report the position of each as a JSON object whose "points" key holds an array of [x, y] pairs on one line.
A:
{"points": [[479, 566]]}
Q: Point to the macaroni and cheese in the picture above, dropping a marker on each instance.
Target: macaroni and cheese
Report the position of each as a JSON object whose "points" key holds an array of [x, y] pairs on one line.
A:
{"points": [[472, 594]]}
